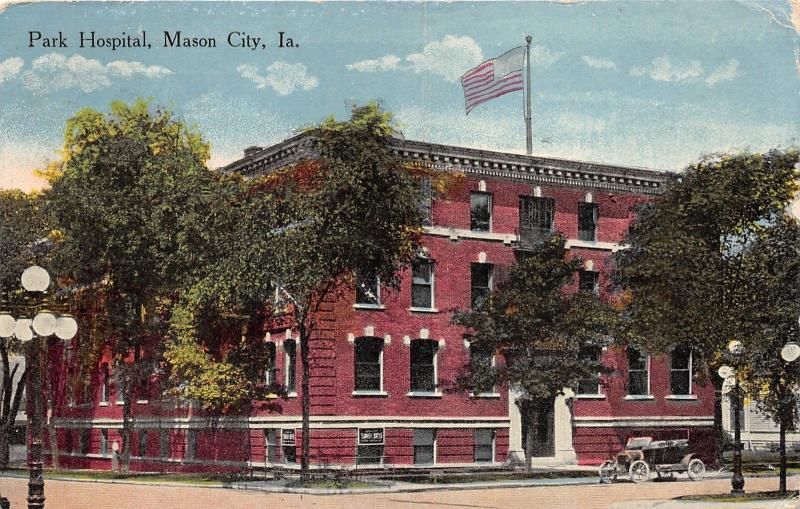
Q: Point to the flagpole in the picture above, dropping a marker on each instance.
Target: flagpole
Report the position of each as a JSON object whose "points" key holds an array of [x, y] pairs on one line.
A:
{"points": [[528, 128]]}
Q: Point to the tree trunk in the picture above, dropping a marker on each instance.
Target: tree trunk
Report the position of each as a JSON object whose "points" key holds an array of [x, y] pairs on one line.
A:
{"points": [[52, 434], [5, 448], [782, 446], [305, 402], [719, 432], [127, 418], [8, 419]]}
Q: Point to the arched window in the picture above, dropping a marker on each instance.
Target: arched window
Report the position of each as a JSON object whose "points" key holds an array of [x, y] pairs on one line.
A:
{"points": [[369, 364]]}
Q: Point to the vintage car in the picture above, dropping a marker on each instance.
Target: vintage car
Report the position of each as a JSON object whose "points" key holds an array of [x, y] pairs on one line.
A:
{"points": [[643, 455]]}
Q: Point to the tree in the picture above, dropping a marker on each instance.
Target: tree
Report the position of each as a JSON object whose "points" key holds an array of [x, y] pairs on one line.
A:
{"points": [[22, 233], [773, 261], [545, 334], [128, 197], [685, 270], [295, 235]]}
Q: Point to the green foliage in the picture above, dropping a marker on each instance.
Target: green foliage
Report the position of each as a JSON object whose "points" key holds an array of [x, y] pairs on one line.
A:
{"points": [[684, 268], [23, 227], [542, 332], [307, 228]]}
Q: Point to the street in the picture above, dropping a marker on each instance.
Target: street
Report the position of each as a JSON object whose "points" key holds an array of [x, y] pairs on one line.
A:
{"points": [[80, 495]]}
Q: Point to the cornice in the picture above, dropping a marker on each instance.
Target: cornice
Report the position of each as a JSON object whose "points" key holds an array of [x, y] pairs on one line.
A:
{"points": [[475, 162]]}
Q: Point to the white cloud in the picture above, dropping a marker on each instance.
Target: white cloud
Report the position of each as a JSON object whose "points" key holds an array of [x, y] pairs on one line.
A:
{"points": [[55, 71], [663, 69], [9, 68], [386, 63], [599, 63], [543, 57], [129, 69], [284, 78], [449, 58], [724, 72]]}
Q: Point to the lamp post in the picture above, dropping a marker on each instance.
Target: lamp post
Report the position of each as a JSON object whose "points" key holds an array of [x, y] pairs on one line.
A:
{"points": [[789, 353], [735, 348], [35, 279]]}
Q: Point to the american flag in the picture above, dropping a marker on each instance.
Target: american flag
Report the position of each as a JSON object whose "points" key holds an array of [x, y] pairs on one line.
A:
{"points": [[494, 78]]}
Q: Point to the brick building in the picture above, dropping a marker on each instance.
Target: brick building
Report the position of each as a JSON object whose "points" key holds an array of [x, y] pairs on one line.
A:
{"points": [[381, 361]]}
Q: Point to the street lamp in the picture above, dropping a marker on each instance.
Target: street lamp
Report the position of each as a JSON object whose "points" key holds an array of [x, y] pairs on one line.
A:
{"points": [[736, 348], [35, 279]]}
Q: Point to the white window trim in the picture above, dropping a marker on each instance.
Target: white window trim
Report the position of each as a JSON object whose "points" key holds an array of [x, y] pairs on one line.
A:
{"points": [[600, 394], [490, 207], [641, 396], [380, 391], [436, 393], [366, 305], [431, 309], [690, 395], [286, 363], [494, 449]]}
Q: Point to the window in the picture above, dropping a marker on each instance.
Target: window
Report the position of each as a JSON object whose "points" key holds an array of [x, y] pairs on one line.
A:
{"points": [[142, 443], [590, 385], [103, 441], [68, 440], [426, 202], [84, 440], [370, 446], [423, 365], [191, 444], [104, 389], [368, 364], [164, 443], [271, 442], [289, 447], [587, 221], [588, 282], [424, 446], [638, 376], [480, 212], [270, 380], [290, 347], [536, 217], [484, 445], [119, 383], [482, 359], [481, 284], [422, 284], [680, 373], [368, 291]]}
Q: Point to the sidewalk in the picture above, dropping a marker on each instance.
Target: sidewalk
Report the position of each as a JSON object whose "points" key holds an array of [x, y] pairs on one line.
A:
{"points": [[696, 504]]}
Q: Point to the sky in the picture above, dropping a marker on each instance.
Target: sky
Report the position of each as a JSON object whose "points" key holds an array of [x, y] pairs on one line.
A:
{"points": [[651, 84]]}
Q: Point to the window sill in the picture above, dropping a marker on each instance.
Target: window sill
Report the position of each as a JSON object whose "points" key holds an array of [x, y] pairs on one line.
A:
{"points": [[423, 310], [120, 403], [369, 307], [639, 397], [142, 401], [682, 397], [593, 396], [368, 394], [485, 395], [425, 394], [292, 394], [103, 403]]}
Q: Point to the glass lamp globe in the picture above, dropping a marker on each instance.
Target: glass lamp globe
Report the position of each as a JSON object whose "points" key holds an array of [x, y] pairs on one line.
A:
{"points": [[7, 323], [35, 279], [735, 347], [66, 327], [725, 372], [44, 323], [790, 351], [22, 329]]}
